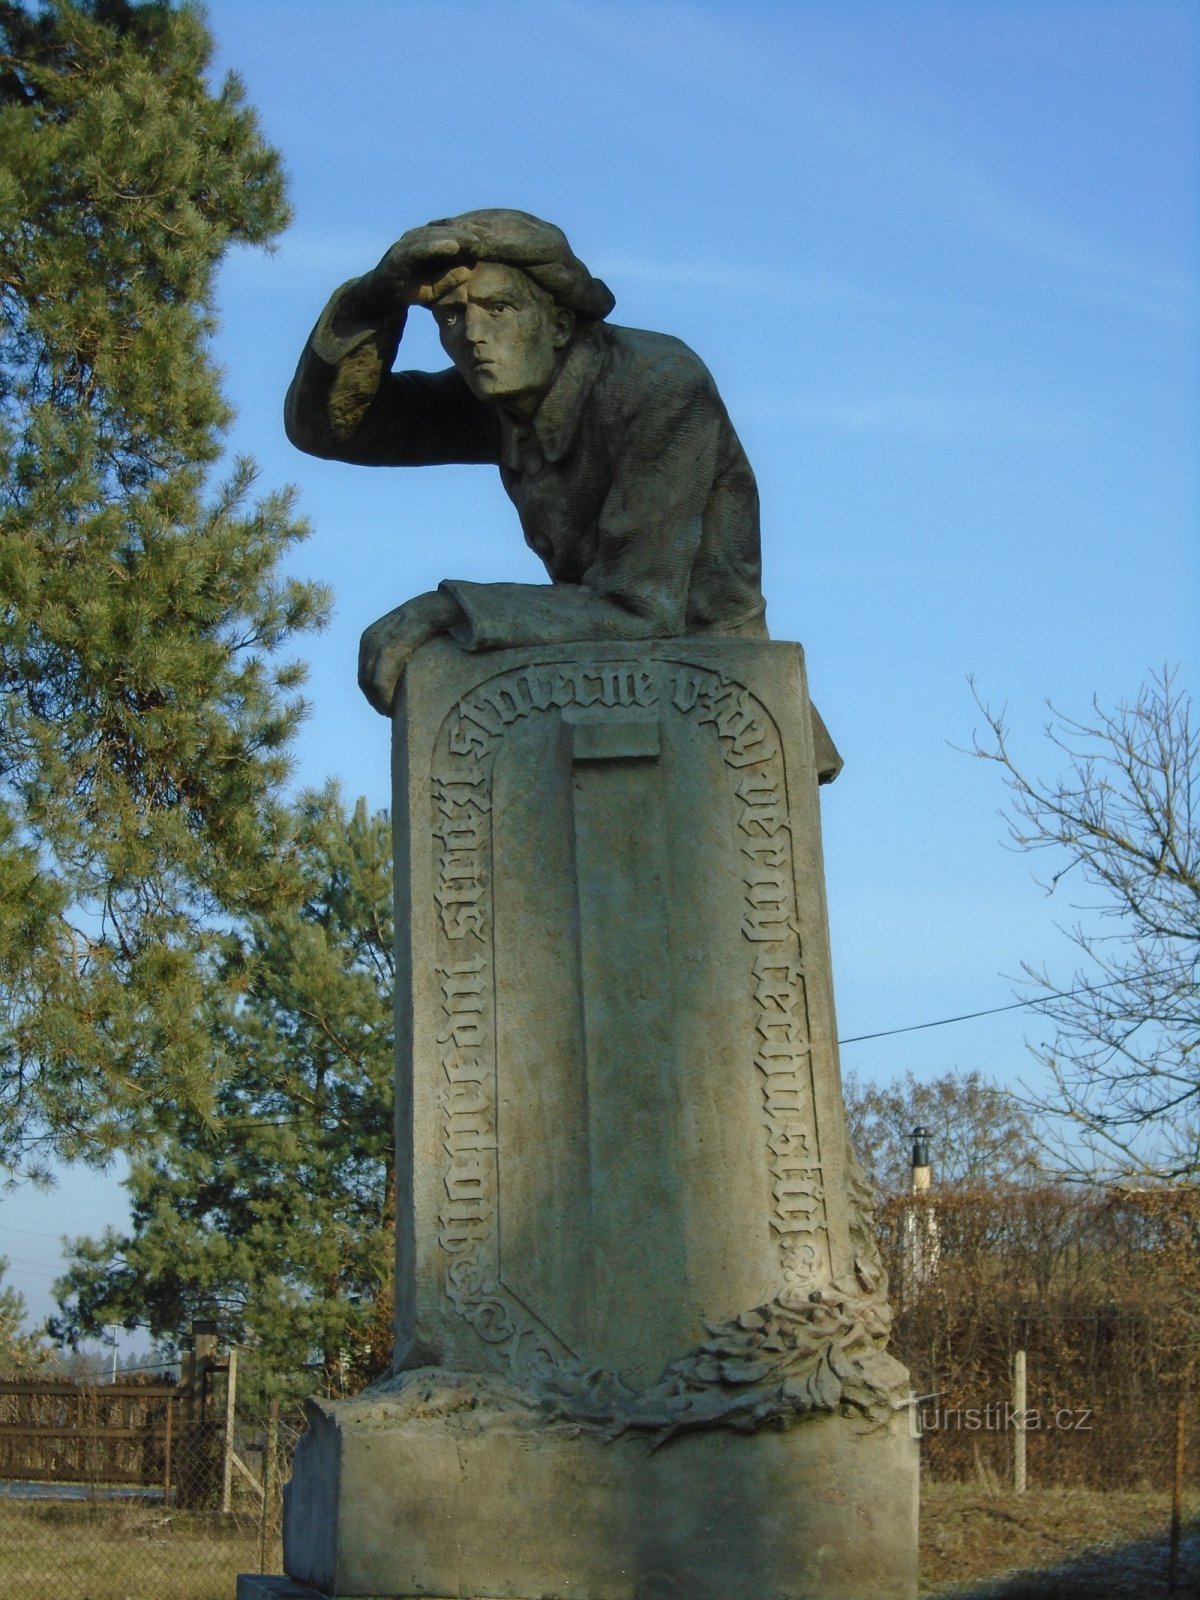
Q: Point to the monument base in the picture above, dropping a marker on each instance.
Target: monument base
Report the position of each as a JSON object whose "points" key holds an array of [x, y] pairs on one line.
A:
{"points": [[272, 1586], [467, 1495]]}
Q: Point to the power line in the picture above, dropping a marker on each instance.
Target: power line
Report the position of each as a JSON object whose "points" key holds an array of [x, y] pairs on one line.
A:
{"points": [[18, 1269], [992, 1011]]}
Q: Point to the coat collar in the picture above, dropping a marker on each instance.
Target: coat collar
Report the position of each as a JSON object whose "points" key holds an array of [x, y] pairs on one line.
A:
{"points": [[556, 421]]}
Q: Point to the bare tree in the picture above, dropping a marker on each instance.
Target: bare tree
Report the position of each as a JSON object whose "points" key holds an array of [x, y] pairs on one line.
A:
{"points": [[1120, 827], [979, 1135]]}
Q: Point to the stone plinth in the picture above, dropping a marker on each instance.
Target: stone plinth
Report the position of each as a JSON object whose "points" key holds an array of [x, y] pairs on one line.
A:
{"points": [[480, 1501], [629, 1222]]}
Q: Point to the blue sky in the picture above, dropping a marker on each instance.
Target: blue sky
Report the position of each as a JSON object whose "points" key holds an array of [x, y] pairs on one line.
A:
{"points": [[942, 259]]}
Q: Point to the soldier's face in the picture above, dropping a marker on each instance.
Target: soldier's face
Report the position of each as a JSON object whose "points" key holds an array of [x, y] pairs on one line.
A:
{"points": [[503, 335]]}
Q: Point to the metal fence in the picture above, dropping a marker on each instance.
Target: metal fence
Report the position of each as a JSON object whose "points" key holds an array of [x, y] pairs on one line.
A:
{"points": [[99, 1539], [112, 1492], [1052, 1439]]}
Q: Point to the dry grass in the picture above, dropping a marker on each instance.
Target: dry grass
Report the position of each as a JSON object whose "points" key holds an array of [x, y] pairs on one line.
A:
{"points": [[1051, 1544], [122, 1552]]}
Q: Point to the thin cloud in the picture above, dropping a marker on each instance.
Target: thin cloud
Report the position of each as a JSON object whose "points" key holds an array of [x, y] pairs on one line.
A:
{"points": [[895, 147], [927, 416], [721, 276], [303, 257]]}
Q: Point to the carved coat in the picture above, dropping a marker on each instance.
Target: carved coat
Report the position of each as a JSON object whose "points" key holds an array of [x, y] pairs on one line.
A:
{"points": [[629, 480]]}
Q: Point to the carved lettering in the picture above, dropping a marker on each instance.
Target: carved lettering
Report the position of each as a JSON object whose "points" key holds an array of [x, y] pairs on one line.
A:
{"points": [[750, 749], [783, 1060], [466, 739], [457, 1236], [540, 690], [763, 811], [778, 984], [483, 715], [798, 1196], [686, 692], [463, 806], [784, 1097], [464, 1100], [462, 984], [467, 1175], [464, 1069], [510, 699], [777, 1030], [776, 1060], [788, 1141], [783, 1056]]}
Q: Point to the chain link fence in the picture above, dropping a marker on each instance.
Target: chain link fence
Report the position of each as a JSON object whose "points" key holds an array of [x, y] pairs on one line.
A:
{"points": [[117, 1505], [1052, 1440], [1102, 1479]]}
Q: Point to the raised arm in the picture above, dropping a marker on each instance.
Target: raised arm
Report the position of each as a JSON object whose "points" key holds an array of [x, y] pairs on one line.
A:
{"points": [[346, 404]]}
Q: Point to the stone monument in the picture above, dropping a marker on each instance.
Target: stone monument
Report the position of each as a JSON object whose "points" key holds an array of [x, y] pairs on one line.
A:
{"points": [[641, 1321]]}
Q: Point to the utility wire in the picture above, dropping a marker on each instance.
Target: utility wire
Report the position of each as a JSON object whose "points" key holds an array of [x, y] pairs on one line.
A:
{"points": [[992, 1011]]}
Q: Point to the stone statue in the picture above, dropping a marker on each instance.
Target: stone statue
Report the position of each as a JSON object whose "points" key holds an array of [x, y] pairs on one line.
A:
{"points": [[613, 444], [641, 1323]]}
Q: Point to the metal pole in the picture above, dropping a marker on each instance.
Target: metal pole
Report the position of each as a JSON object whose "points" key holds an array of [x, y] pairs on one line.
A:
{"points": [[1019, 1403], [230, 1399], [1176, 1499]]}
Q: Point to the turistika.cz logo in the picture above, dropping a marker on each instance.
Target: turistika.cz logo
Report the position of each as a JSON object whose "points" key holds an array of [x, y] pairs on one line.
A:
{"points": [[1000, 1416]]}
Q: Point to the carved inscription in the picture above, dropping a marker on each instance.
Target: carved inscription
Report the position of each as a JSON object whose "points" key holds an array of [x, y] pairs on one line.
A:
{"points": [[462, 805], [783, 1057], [482, 718], [461, 833], [461, 837], [468, 1110]]}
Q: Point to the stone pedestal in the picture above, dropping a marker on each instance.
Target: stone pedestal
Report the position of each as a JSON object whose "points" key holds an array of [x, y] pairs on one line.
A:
{"points": [[479, 1501], [640, 1318]]}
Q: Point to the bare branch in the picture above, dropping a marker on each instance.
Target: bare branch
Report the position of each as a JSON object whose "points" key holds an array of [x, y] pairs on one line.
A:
{"points": [[1122, 819]]}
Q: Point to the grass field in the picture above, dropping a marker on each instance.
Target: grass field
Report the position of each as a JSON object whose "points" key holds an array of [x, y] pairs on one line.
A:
{"points": [[1072, 1545], [1051, 1544], [123, 1552]]}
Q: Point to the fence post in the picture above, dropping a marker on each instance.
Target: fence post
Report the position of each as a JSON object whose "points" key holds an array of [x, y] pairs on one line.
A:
{"points": [[1177, 1498], [1019, 1403], [204, 1352], [268, 1482], [167, 1450], [230, 1401]]}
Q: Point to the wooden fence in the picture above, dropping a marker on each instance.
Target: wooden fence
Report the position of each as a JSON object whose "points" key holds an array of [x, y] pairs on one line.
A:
{"points": [[62, 1431]]}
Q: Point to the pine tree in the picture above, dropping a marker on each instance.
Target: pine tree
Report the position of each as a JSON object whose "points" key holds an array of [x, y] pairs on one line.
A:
{"points": [[146, 720], [278, 1218], [21, 1351]]}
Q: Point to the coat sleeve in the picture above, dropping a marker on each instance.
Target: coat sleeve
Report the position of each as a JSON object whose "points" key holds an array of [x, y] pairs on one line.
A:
{"points": [[346, 404], [497, 616]]}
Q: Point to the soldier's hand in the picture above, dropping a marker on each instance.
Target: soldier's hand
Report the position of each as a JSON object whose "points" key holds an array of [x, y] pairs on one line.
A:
{"points": [[388, 645], [423, 264]]}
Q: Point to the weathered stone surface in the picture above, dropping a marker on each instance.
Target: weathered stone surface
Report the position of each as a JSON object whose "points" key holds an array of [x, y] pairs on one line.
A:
{"points": [[641, 1323], [621, 1118], [271, 1586], [640, 1317], [453, 1488]]}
